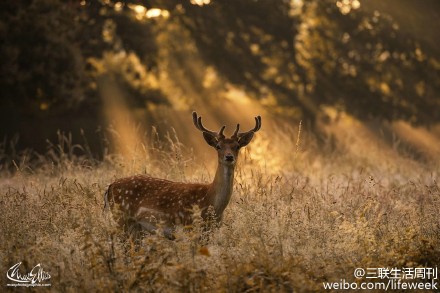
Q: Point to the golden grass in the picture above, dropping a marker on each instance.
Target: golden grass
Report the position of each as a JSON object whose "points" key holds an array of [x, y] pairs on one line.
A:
{"points": [[296, 219]]}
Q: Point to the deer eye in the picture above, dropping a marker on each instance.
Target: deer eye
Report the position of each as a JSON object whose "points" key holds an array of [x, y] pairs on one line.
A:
{"points": [[218, 147]]}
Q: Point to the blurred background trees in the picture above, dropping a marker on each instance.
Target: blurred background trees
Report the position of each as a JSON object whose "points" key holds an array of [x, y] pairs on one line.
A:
{"points": [[295, 58]]}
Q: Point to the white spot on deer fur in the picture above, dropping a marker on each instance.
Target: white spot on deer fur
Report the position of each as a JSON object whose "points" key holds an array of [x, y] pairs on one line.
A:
{"points": [[142, 210], [131, 191], [126, 192]]}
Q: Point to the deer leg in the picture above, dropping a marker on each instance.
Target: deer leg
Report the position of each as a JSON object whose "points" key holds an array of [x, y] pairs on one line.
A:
{"points": [[168, 232], [149, 227]]}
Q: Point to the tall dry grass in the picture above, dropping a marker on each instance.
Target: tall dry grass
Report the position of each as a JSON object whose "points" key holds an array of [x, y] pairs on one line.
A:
{"points": [[300, 215]]}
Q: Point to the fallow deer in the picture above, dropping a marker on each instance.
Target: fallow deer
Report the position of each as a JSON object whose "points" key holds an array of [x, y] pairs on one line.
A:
{"points": [[147, 200]]}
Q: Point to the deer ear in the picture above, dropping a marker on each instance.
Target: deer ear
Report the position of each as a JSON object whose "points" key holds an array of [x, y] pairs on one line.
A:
{"points": [[245, 139], [210, 139]]}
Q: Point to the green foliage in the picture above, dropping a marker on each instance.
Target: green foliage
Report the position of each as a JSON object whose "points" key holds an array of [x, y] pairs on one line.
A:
{"points": [[295, 58], [46, 47], [317, 54], [371, 68], [42, 66]]}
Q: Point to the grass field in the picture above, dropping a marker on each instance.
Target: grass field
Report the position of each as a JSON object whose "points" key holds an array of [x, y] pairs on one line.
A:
{"points": [[300, 215]]}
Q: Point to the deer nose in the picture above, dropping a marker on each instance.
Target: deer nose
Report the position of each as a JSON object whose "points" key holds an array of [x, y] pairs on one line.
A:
{"points": [[229, 158]]}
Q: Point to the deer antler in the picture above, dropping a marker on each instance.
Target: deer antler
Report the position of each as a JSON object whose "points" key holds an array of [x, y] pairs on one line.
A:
{"points": [[236, 131], [255, 129], [199, 125]]}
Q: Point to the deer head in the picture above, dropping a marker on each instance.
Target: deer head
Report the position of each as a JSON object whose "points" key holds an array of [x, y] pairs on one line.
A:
{"points": [[227, 148]]}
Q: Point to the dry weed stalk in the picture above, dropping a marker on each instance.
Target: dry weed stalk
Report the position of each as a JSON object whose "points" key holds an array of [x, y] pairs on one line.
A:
{"points": [[285, 230]]}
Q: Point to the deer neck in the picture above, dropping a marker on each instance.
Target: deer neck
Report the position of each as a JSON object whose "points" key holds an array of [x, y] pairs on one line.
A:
{"points": [[222, 187]]}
